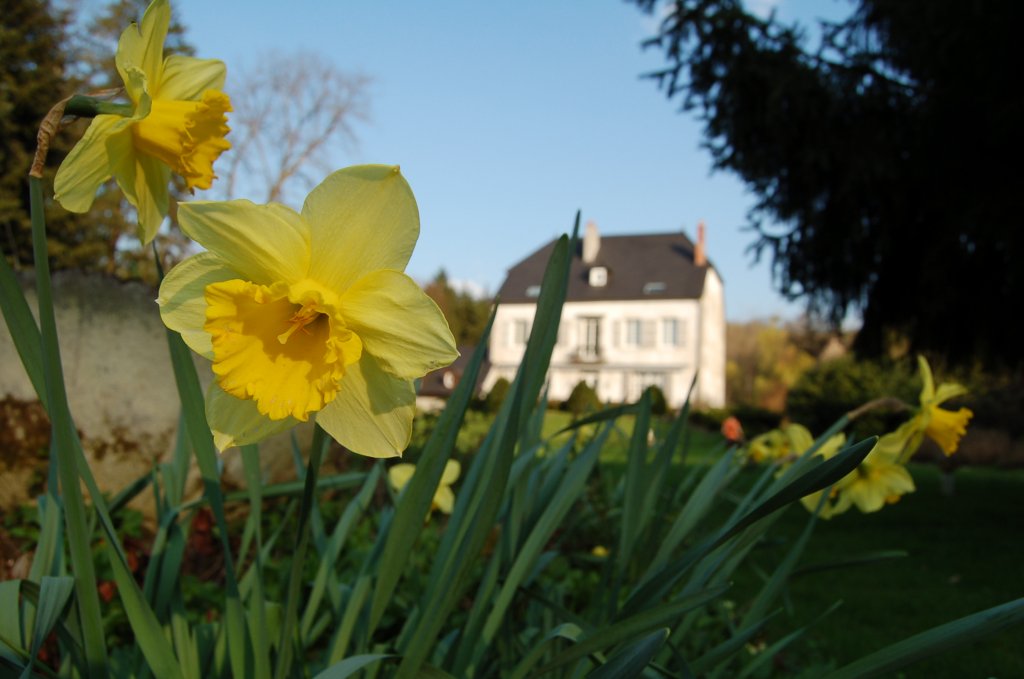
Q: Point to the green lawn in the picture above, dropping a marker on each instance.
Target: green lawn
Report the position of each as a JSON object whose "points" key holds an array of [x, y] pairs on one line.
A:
{"points": [[966, 553]]}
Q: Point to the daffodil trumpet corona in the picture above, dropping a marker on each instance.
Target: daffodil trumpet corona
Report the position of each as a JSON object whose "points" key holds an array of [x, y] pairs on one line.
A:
{"points": [[309, 313], [176, 122]]}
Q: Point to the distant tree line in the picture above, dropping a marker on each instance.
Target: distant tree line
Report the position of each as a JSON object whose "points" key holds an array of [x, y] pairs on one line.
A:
{"points": [[467, 314]]}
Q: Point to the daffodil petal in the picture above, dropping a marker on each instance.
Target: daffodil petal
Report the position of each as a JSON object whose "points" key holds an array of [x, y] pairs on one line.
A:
{"points": [[362, 219], [800, 438], [144, 183], [947, 391], [265, 244], [444, 499], [186, 78], [868, 497], [399, 324], [452, 469], [927, 382], [237, 422], [400, 474], [182, 301], [88, 165], [152, 199], [142, 46], [372, 413]]}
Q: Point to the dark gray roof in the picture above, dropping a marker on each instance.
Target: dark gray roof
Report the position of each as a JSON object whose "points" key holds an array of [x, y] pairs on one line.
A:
{"points": [[633, 263]]}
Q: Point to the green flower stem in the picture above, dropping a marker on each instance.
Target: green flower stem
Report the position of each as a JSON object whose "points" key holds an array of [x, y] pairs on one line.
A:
{"points": [[887, 402], [90, 107], [320, 442], [86, 591]]}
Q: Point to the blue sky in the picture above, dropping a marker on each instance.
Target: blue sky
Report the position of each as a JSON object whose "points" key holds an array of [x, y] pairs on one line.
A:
{"points": [[508, 116]]}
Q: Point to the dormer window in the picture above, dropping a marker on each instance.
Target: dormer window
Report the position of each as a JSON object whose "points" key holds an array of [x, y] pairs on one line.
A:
{"points": [[654, 287], [533, 291], [598, 277]]}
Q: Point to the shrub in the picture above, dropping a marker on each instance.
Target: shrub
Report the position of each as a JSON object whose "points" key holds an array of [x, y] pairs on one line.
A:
{"points": [[831, 389], [496, 395], [582, 399], [659, 406]]}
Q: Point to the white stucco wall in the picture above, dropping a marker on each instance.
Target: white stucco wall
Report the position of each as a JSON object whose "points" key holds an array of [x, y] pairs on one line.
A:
{"points": [[710, 390]]}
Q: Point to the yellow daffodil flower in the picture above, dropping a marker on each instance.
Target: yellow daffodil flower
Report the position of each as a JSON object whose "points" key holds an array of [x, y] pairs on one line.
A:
{"points": [[879, 480], [177, 124], [310, 312], [444, 499], [945, 427], [786, 443]]}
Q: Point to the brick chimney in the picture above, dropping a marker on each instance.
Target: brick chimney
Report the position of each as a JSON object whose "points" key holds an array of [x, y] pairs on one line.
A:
{"points": [[591, 243], [700, 257]]}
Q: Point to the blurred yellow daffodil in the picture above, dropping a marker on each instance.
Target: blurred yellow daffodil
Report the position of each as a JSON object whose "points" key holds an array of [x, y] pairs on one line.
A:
{"points": [[879, 480], [788, 442], [177, 123], [945, 427], [310, 312], [444, 499]]}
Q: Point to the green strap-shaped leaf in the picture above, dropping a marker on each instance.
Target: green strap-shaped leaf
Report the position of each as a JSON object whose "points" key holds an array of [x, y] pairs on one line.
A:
{"points": [[10, 622], [23, 329], [414, 502], [349, 666], [66, 445], [630, 628], [54, 593], [355, 508], [566, 630], [633, 658], [818, 477], [194, 411], [286, 645], [937, 640]]}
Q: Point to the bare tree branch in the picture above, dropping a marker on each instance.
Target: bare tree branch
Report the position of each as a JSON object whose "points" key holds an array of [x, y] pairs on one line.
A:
{"points": [[291, 113]]}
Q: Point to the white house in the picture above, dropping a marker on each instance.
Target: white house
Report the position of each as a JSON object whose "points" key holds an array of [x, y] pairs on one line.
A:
{"points": [[640, 311]]}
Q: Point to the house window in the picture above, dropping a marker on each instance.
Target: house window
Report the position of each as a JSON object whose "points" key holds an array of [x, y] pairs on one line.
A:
{"points": [[598, 277], [533, 291], [639, 333], [448, 380], [590, 338], [519, 332], [654, 287], [670, 335]]}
